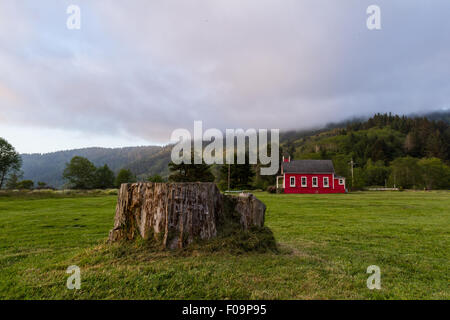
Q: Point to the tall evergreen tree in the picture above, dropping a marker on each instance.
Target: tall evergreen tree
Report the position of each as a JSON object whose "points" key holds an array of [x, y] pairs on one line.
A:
{"points": [[378, 151], [184, 172], [435, 146], [241, 175], [104, 177]]}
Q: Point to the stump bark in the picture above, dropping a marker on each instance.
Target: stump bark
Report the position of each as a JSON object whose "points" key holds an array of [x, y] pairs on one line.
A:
{"points": [[175, 214]]}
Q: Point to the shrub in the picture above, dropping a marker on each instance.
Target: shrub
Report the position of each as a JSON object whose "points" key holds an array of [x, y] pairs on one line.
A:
{"points": [[112, 192], [155, 178], [25, 184]]}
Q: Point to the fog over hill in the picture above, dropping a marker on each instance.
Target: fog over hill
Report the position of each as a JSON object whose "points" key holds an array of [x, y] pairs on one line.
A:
{"points": [[148, 160]]}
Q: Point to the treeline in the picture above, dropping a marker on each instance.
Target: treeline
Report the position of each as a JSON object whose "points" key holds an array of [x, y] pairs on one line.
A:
{"points": [[141, 161], [239, 176], [15, 182], [423, 137], [10, 173], [80, 173], [387, 150], [403, 172]]}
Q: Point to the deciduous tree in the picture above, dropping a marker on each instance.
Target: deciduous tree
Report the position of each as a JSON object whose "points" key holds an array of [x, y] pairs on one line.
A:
{"points": [[25, 184], [9, 160], [80, 173], [125, 176], [436, 175]]}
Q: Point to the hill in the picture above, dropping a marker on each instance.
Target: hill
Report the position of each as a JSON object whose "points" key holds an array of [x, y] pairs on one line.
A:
{"points": [[381, 146], [142, 161], [375, 141]]}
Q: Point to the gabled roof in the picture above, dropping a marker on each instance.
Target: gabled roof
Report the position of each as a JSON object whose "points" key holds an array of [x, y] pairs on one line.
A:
{"points": [[308, 166]]}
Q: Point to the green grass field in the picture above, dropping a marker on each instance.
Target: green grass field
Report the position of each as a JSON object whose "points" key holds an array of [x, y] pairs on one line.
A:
{"points": [[326, 244]]}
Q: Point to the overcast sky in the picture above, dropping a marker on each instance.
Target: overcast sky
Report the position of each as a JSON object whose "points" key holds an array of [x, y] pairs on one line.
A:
{"points": [[137, 70]]}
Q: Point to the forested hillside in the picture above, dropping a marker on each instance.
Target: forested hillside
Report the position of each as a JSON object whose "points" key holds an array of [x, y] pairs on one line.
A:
{"points": [[410, 152], [386, 149], [140, 160]]}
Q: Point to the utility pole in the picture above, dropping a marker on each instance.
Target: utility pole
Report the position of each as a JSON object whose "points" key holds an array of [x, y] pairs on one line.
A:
{"points": [[352, 164]]}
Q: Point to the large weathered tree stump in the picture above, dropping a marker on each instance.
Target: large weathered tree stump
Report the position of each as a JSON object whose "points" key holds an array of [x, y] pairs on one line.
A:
{"points": [[175, 214]]}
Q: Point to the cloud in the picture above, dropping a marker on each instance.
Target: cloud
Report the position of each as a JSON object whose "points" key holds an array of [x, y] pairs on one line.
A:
{"points": [[147, 67]]}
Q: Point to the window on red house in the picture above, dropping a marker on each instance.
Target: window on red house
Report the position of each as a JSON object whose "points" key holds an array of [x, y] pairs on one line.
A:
{"points": [[304, 183], [326, 183], [314, 182], [292, 181]]}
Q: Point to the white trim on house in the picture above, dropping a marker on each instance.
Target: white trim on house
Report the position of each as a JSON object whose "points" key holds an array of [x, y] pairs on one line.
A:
{"points": [[303, 172], [327, 179], [290, 181], [304, 185], [315, 185], [341, 181], [278, 179]]}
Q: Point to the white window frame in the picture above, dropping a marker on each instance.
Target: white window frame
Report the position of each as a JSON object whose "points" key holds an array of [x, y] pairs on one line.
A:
{"points": [[304, 185], [316, 185], [341, 182], [290, 181], [328, 182]]}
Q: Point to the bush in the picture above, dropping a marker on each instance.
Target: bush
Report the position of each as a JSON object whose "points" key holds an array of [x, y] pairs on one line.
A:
{"points": [[112, 192], [25, 184], [124, 176], [155, 178], [271, 189]]}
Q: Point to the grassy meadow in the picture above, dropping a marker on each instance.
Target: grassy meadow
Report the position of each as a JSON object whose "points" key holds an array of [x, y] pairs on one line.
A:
{"points": [[326, 243]]}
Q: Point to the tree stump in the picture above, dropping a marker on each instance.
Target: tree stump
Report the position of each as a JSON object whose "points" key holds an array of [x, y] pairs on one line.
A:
{"points": [[175, 214]]}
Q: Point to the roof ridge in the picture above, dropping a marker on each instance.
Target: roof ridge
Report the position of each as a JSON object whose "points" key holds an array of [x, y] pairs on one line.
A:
{"points": [[309, 166]]}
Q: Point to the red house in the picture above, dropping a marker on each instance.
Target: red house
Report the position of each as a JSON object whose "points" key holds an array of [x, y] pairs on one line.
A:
{"points": [[310, 176]]}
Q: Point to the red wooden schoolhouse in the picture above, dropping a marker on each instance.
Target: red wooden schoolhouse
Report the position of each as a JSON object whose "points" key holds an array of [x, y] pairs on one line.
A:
{"points": [[310, 176]]}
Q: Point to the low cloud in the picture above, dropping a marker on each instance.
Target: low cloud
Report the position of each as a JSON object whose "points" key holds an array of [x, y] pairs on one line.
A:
{"points": [[147, 67]]}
